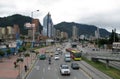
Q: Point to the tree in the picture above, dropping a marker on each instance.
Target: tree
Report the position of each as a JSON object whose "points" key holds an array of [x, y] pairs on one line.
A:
{"points": [[113, 37], [24, 48], [102, 42], [2, 54], [8, 52], [22, 37]]}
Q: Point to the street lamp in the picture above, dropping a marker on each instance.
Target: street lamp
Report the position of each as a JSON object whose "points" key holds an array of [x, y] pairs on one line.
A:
{"points": [[33, 40]]}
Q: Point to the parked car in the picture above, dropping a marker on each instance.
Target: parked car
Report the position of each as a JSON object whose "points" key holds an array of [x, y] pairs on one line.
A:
{"points": [[64, 69], [75, 66], [42, 56]]}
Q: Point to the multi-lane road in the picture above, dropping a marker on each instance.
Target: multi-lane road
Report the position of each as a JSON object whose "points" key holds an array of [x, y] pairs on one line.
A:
{"points": [[42, 70]]}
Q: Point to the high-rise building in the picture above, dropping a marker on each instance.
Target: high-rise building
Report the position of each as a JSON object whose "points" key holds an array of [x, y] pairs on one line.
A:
{"points": [[75, 33], [16, 31], [97, 34], [3, 31], [0, 33], [9, 30], [37, 25], [48, 26]]}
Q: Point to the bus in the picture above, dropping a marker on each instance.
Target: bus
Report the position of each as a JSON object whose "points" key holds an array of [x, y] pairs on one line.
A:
{"points": [[75, 54]]}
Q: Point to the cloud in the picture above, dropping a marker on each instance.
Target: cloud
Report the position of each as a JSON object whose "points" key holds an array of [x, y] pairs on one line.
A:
{"points": [[102, 13], [109, 20]]}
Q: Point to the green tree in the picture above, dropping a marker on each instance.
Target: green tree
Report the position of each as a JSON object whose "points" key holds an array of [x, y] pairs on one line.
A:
{"points": [[102, 42], [8, 52], [2, 53], [113, 37], [22, 37]]}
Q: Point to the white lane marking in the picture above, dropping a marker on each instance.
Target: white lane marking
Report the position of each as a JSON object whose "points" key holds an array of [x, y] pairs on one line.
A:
{"points": [[75, 78], [37, 67], [48, 67], [55, 69], [58, 78], [42, 77], [86, 74], [31, 70], [43, 70]]}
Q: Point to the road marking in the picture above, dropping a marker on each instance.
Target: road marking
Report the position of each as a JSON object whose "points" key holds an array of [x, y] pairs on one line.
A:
{"points": [[37, 67], [42, 77], [58, 78], [48, 67], [43, 70], [75, 78], [86, 74], [55, 69]]}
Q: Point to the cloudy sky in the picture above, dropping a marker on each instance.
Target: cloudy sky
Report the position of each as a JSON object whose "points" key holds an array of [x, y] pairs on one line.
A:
{"points": [[102, 13]]}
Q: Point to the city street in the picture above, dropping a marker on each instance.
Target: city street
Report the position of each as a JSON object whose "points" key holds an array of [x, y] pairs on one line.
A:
{"points": [[45, 71]]}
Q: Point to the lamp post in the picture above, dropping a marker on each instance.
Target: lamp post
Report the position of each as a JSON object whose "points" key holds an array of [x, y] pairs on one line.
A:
{"points": [[32, 25]]}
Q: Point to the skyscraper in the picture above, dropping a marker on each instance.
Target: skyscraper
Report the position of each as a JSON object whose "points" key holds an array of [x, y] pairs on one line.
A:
{"points": [[48, 26], [75, 35], [97, 34], [16, 31]]}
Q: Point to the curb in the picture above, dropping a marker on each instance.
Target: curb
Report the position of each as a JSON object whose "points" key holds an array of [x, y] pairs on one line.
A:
{"points": [[91, 77], [87, 73], [31, 67]]}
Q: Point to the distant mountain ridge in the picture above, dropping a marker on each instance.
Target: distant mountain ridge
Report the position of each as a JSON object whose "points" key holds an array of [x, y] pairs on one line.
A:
{"points": [[83, 29], [17, 19], [63, 26]]}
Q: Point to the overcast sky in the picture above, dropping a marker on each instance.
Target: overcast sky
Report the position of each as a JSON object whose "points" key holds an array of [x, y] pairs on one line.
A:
{"points": [[102, 13]]}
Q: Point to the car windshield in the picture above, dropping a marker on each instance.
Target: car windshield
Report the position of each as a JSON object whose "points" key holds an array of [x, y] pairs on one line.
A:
{"points": [[65, 67], [67, 58], [56, 53], [75, 64], [56, 56], [42, 54]]}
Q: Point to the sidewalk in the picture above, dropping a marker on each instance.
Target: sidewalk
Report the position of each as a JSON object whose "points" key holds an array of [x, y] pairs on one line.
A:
{"points": [[7, 70]]}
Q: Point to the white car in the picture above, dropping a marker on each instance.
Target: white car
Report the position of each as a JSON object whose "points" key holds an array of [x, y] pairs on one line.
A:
{"points": [[64, 69], [56, 57]]}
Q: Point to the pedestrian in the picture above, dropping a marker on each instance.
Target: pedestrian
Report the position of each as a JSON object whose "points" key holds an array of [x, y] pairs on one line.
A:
{"points": [[15, 64], [25, 67]]}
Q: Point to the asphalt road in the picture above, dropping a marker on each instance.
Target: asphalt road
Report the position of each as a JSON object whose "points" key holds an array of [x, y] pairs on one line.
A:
{"points": [[42, 70]]}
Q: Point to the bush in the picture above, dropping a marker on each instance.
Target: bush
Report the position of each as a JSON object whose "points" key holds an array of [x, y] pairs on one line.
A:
{"points": [[2, 53], [27, 55], [19, 59]]}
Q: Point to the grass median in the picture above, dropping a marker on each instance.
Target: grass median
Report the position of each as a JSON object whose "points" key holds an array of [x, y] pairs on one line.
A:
{"points": [[112, 72]]}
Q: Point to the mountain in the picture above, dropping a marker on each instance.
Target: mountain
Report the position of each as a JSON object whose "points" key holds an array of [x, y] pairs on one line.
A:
{"points": [[63, 26], [16, 19], [82, 29]]}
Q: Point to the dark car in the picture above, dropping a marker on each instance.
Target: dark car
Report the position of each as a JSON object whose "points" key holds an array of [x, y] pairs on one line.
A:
{"points": [[75, 66], [42, 57]]}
